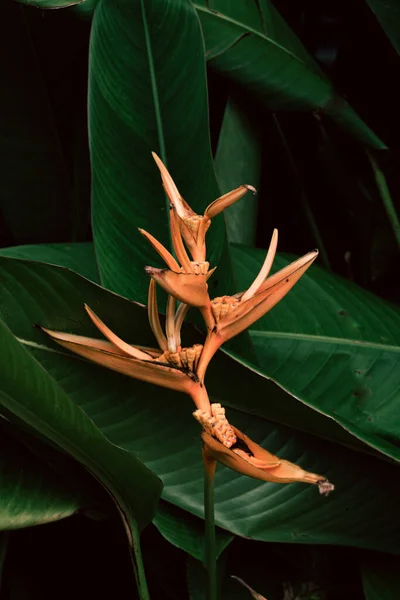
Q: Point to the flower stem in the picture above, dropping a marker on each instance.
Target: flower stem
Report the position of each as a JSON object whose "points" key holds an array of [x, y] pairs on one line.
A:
{"points": [[210, 554], [138, 567]]}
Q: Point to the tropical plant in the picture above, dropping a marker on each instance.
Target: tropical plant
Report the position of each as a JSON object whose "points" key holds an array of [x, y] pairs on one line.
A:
{"points": [[89, 451]]}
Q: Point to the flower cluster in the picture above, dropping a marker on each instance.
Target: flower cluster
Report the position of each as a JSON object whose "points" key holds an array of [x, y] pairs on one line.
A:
{"points": [[184, 368]]}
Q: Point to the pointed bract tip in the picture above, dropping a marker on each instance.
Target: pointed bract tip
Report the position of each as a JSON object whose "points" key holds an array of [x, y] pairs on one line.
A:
{"points": [[251, 188]]}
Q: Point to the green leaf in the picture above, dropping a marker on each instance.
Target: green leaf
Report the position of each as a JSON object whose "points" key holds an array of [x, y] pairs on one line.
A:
{"points": [[48, 4], [27, 391], [79, 257], [333, 346], [31, 493], [386, 198], [85, 9], [380, 577], [66, 296], [198, 580], [238, 161], [141, 102], [388, 14], [250, 43], [34, 188], [157, 424], [186, 531]]}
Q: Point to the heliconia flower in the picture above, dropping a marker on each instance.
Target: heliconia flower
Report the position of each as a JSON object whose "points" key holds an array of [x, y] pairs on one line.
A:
{"points": [[171, 366], [233, 314], [189, 288], [248, 458], [193, 226]]}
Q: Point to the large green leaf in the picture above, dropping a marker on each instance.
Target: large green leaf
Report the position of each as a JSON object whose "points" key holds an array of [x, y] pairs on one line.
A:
{"points": [[197, 579], [250, 43], [69, 292], [147, 93], [79, 257], [178, 527], [238, 161], [388, 14], [380, 577], [186, 531], [28, 392], [31, 494], [335, 347], [157, 425], [34, 186], [43, 4]]}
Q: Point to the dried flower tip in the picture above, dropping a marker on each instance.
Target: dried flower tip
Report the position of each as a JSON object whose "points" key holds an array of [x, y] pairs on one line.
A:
{"points": [[216, 424], [222, 305], [325, 487]]}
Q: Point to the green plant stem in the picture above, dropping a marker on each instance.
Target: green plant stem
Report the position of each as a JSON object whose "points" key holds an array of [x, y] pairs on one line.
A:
{"points": [[386, 198], [138, 567], [210, 554]]}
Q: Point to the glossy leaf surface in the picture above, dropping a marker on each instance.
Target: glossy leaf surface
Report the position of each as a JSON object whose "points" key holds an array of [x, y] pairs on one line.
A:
{"points": [[158, 426], [140, 102], [31, 494], [30, 393], [334, 346], [250, 43], [238, 161]]}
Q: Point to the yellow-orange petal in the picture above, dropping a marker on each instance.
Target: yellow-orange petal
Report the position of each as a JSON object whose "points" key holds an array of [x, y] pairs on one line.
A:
{"points": [[228, 199], [154, 317], [181, 207], [111, 358], [265, 269], [249, 311], [72, 338], [284, 472], [113, 338], [186, 287], [197, 253], [162, 251], [177, 242], [305, 260]]}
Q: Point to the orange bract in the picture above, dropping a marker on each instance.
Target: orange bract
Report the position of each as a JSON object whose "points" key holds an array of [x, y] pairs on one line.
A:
{"points": [[183, 369], [254, 461]]}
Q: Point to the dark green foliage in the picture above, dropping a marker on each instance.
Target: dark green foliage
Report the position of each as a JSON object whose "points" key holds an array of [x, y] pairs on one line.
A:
{"points": [[295, 98]]}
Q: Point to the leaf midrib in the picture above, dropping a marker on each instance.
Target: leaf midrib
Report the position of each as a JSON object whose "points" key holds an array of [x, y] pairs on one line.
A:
{"points": [[154, 90], [324, 340]]}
